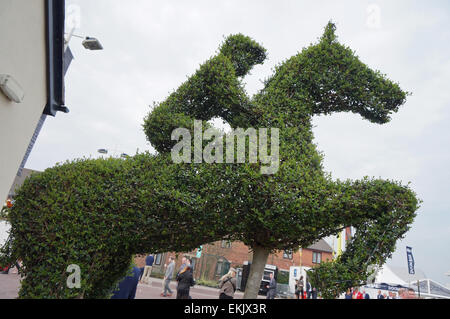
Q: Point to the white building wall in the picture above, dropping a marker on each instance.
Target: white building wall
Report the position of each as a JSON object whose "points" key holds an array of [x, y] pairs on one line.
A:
{"points": [[23, 56]]}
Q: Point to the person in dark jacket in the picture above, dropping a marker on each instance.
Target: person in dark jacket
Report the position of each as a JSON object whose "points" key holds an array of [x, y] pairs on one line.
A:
{"points": [[296, 290], [272, 288], [149, 260], [314, 293], [127, 287], [349, 294], [147, 271], [308, 289], [380, 296], [185, 282]]}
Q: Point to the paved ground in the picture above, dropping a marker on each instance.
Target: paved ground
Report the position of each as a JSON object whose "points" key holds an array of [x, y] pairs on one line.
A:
{"points": [[10, 284]]}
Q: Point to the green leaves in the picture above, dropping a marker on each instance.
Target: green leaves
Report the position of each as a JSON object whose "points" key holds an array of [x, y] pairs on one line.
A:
{"points": [[381, 211], [325, 78], [329, 35], [243, 52]]}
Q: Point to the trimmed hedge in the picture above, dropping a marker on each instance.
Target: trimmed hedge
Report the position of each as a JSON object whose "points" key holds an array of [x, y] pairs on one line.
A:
{"points": [[98, 213]]}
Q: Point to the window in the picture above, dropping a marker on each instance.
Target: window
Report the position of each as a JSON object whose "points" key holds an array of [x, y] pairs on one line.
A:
{"points": [[266, 275], [287, 254], [158, 259], [317, 258], [226, 244], [219, 268], [222, 267]]}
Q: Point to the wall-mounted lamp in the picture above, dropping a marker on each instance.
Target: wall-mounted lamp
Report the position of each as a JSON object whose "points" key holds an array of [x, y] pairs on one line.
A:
{"points": [[11, 88], [92, 44]]}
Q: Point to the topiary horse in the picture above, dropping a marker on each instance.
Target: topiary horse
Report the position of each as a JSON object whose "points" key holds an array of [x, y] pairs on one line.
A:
{"points": [[98, 213]]}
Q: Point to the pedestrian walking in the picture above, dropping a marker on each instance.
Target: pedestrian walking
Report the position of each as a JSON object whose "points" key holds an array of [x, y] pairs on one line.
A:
{"points": [[272, 287], [308, 289], [227, 285], [300, 288], [167, 292], [185, 282], [148, 269]]}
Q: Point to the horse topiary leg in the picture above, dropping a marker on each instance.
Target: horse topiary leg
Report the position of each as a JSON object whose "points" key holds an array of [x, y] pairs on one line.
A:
{"points": [[382, 212]]}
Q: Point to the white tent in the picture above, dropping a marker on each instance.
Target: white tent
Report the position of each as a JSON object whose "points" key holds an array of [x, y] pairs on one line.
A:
{"points": [[398, 275], [390, 278], [4, 229], [431, 289]]}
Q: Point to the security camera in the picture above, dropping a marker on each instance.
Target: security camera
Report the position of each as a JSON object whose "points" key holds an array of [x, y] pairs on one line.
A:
{"points": [[11, 88]]}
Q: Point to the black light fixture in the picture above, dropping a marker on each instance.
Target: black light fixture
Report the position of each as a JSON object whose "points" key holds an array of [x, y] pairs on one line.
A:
{"points": [[92, 44]]}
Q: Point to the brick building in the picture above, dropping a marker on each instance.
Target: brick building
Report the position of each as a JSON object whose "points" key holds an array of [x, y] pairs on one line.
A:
{"points": [[218, 257]]}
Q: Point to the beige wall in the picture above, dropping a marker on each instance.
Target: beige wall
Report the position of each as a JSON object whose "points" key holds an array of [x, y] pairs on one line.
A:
{"points": [[23, 56]]}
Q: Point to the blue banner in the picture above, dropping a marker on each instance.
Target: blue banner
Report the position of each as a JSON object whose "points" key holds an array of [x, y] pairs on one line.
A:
{"points": [[410, 259], [385, 286]]}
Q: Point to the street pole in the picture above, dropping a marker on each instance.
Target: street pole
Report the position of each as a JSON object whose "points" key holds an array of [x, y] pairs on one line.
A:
{"points": [[301, 257], [202, 261]]}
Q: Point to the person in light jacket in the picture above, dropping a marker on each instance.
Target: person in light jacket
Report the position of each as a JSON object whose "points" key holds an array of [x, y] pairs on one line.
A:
{"points": [[227, 285], [168, 277]]}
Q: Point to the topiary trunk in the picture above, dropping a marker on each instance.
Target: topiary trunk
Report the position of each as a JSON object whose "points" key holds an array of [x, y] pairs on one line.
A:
{"points": [[260, 255]]}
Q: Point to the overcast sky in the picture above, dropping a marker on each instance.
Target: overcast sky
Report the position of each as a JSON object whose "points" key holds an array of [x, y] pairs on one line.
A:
{"points": [[152, 46]]}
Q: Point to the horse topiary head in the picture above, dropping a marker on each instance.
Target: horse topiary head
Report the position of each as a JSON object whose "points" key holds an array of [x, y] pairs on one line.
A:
{"points": [[329, 77]]}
